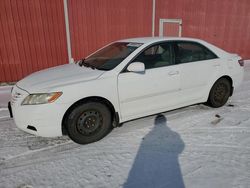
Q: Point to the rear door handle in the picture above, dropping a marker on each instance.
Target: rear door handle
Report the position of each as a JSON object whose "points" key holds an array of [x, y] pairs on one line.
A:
{"points": [[171, 73]]}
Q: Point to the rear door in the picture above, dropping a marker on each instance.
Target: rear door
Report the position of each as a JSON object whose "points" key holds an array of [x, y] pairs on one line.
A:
{"points": [[198, 66]]}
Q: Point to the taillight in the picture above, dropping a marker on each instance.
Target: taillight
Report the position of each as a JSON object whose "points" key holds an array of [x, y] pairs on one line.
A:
{"points": [[241, 62]]}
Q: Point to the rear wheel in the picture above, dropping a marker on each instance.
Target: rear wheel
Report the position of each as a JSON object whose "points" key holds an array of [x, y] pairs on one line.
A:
{"points": [[219, 93], [88, 122]]}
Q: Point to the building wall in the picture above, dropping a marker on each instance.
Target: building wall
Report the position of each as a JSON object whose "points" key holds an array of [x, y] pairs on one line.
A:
{"points": [[33, 36], [225, 23], [94, 23]]}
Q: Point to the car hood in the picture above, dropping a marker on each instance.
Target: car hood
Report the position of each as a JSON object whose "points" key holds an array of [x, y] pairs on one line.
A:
{"points": [[57, 76]]}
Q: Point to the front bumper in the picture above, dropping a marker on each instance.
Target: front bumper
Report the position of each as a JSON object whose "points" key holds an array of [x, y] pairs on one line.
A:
{"points": [[41, 120], [10, 110]]}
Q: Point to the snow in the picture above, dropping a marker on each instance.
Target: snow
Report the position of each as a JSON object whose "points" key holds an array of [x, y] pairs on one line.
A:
{"points": [[196, 146]]}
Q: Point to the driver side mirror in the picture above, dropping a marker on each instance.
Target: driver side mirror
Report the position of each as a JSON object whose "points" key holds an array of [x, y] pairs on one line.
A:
{"points": [[137, 67]]}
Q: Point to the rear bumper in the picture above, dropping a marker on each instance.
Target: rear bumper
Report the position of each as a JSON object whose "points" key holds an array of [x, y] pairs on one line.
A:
{"points": [[238, 79]]}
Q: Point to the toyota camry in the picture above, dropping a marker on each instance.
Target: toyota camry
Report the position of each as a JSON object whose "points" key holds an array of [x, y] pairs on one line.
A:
{"points": [[124, 80]]}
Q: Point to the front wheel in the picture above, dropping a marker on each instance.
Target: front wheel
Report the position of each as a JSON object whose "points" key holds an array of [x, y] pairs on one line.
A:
{"points": [[219, 93], [88, 122]]}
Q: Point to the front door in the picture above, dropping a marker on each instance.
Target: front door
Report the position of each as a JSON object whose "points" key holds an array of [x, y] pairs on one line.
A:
{"points": [[154, 90]]}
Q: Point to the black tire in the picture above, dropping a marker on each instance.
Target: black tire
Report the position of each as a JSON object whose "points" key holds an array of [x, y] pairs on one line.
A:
{"points": [[88, 122], [219, 93]]}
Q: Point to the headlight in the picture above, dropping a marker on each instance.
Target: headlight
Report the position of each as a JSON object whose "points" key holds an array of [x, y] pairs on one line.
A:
{"points": [[41, 98]]}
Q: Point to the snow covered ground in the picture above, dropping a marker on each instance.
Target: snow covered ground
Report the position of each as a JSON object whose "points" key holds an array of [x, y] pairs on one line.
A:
{"points": [[196, 146]]}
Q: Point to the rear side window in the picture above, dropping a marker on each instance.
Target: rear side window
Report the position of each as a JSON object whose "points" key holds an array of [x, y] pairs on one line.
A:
{"points": [[190, 52]]}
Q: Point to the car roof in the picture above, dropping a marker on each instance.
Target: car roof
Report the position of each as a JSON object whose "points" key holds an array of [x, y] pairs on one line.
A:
{"points": [[146, 40], [150, 40]]}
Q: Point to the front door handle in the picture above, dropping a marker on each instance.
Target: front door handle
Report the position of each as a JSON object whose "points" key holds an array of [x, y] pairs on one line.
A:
{"points": [[171, 73]]}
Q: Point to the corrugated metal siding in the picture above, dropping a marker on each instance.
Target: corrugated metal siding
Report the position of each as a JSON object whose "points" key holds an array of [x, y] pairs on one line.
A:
{"points": [[32, 37], [222, 22], [32, 32], [94, 23]]}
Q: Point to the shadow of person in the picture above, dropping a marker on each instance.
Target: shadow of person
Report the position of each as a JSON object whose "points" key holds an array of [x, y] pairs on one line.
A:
{"points": [[156, 163]]}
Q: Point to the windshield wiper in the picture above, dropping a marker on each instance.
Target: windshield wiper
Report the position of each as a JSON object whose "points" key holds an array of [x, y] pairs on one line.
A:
{"points": [[83, 63]]}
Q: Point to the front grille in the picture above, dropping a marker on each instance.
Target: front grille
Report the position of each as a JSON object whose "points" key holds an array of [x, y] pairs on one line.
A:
{"points": [[17, 95]]}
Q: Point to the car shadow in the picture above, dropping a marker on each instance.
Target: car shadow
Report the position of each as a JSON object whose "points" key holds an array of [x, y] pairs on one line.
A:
{"points": [[156, 163]]}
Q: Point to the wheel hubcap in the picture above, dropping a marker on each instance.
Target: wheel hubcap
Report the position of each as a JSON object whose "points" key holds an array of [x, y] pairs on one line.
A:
{"points": [[220, 92], [89, 122]]}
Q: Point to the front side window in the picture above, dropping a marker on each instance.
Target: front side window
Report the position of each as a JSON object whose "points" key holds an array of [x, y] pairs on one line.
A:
{"points": [[190, 51], [111, 56], [156, 56]]}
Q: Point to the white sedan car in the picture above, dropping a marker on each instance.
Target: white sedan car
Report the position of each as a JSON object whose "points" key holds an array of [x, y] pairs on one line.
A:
{"points": [[124, 80]]}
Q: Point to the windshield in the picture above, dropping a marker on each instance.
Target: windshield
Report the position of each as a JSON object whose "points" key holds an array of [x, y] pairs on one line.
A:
{"points": [[110, 56]]}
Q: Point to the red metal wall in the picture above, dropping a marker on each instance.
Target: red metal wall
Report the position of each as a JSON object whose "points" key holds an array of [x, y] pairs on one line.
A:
{"points": [[225, 23], [94, 23], [32, 32], [32, 37]]}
